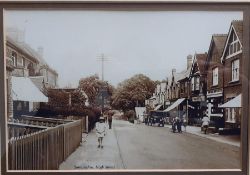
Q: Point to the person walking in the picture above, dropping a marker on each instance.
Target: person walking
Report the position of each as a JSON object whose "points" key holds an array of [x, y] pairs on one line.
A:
{"points": [[110, 120], [100, 131], [178, 124], [174, 125], [205, 123]]}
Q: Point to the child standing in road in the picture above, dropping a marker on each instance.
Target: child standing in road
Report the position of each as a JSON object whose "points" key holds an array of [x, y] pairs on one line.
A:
{"points": [[100, 131]]}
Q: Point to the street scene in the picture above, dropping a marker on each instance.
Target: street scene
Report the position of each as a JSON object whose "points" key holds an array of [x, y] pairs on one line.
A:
{"points": [[102, 90], [129, 146]]}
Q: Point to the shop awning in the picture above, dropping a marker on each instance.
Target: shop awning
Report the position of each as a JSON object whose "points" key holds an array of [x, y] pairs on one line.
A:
{"points": [[175, 104], [234, 103], [157, 107], [24, 90]]}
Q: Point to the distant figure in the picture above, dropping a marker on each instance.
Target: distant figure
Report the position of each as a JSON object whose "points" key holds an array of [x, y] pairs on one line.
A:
{"points": [[174, 125], [105, 118], [110, 120], [178, 124], [100, 131], [137, 119], [205, 123]]}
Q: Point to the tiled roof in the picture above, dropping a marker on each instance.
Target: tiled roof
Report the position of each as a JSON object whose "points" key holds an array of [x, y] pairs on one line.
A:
{"points": [[29, 51], [184, 74], [22, 47], [38, 82], [201, 60], [219, 41]]}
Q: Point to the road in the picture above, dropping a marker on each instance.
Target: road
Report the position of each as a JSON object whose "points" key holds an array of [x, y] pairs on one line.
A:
{"points": [[146, 147], [137, 146]]}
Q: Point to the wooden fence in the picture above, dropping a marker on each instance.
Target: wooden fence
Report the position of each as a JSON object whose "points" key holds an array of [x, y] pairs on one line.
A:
{"points": [[45, 149]]}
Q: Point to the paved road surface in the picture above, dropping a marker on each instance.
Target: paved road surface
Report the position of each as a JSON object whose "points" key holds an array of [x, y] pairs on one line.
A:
{"points": [[136, 146], [146, 147]]}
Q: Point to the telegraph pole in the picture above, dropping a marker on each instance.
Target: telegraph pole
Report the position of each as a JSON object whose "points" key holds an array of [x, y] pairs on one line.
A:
{"points": [[102, 58]]}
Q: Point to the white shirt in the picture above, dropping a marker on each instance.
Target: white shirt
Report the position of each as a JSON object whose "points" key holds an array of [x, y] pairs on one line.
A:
{"points": [[100, 129], [205, 121]]}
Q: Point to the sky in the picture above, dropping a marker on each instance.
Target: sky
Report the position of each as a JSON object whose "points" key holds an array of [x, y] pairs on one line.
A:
{"points": [[147, 42]]}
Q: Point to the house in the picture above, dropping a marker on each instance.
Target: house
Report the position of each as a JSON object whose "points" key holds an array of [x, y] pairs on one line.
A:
{"points": [[214, 70], [232, 82], [26, 65], [151, 102], [26, 60], [184, 79], [185, 88], [197, 80], [160, 94], [172, 86], [178, 90]]}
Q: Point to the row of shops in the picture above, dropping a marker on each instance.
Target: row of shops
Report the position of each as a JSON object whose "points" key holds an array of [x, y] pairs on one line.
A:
{"points": [[210, 85]]}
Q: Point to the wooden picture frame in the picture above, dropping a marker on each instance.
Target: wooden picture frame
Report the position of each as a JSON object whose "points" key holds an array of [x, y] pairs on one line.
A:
{"points": [[134, 6]]}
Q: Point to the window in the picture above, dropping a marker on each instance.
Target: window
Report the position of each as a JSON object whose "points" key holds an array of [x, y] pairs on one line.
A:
{"points": [[13, 58], [22, 62], [185, 87], [231, 115], [215, 76], [234, 45], [235, 70], [192, 82], [197, 83]]}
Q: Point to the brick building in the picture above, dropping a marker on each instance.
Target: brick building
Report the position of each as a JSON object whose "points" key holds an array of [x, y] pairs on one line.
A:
{"points": [[214, 69], [232, 62], [197, 80], [185, 91]]}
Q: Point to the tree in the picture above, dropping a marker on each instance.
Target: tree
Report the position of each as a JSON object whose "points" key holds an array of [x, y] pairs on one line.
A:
{"points": [[62, 97], [133, 92], [92, 86]]}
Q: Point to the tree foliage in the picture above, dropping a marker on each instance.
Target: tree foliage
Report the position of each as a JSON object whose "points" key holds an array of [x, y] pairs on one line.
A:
{"points": [[133, 92], [92, 85], [62, 97]]}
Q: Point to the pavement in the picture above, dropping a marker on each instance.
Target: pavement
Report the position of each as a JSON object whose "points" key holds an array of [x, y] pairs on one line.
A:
{"points": [[89, 156], [233, 140]]}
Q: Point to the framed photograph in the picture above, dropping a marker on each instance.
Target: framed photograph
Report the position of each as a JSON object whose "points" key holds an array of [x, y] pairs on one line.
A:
{"points": [[118, 87]]}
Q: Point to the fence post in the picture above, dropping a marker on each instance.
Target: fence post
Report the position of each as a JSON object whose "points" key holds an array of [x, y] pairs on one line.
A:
{"points": [[87, 123]]}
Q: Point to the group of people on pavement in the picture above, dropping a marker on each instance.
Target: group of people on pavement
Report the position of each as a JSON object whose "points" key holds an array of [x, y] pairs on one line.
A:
{"points": [[177, 124], [101, 128]]}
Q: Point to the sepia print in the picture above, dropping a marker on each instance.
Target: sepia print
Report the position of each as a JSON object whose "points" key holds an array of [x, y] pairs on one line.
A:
{"points": [[114, 90]]}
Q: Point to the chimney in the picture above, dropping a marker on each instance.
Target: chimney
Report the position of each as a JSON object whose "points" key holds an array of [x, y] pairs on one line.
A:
{"points": [[189, 61], [173, 71], [40, 51]]}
